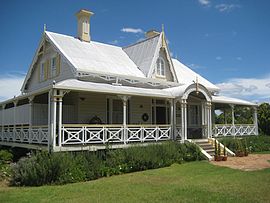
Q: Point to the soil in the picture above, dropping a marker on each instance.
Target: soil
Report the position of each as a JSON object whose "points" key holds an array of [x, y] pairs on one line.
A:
{"points": [[252, 162]]}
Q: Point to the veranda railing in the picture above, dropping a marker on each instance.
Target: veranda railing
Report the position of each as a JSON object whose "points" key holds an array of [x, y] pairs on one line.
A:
{"points": [[234, 130], [102, 134]]}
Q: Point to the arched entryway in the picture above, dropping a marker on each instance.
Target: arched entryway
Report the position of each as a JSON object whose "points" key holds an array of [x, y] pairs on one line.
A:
{"points": [[196, 112], [196, 125]]}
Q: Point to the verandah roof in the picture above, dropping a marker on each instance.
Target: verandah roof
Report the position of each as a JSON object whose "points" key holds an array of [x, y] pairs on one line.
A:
{"points": [[73, 84], [230, 100]]}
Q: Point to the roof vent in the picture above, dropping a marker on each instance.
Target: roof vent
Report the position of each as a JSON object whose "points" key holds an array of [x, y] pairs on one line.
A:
{"points": [[83, 18], [151, 33]]}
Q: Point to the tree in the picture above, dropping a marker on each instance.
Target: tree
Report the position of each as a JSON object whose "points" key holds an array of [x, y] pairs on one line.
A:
{"points": [[242, 115], [264, 118]]}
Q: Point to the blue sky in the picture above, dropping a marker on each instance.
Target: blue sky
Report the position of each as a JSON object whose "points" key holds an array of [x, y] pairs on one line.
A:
{"points": [[226, 41]]}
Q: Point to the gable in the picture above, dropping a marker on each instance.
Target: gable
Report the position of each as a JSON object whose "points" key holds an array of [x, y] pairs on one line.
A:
{"points": [[48, 66], [168, 76], [146, 53]]}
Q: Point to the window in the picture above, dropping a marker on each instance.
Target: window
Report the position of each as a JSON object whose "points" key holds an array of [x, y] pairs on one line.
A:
{"points": [[160, 67], [53, 67], [42, 72]]}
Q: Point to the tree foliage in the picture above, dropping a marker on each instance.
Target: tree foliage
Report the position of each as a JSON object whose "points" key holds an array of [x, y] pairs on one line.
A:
{"points": [[264, 118], [242, 115]]}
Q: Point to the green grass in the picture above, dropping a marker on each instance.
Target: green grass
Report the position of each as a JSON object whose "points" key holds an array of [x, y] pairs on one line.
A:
{"points": [[190, 182]]}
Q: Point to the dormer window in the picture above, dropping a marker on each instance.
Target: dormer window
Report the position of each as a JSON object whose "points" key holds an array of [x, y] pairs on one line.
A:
{"points": [[160, 67]]}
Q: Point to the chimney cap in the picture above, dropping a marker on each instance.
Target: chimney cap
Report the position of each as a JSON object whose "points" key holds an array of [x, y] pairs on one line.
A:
{"points": [[84, 12], [151, 33]]}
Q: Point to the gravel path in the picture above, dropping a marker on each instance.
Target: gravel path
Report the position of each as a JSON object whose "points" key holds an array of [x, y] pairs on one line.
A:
{"points": [[251, 162]]}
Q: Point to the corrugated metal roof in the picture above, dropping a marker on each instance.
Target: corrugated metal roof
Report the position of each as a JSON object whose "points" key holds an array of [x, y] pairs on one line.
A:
{"points": [[142, 53], [74, 84], [229, 100], [187, 76], [95, 57]]}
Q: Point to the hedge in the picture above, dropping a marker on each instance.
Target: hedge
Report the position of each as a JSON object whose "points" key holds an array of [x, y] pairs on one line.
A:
{"points": [[42, 168]]}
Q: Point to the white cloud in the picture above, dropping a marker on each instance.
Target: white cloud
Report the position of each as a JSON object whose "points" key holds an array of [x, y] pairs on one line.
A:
{"points": [[132, 30], [255, 89], [204, 2], [218, 58], [10, 85], [226, 7]]}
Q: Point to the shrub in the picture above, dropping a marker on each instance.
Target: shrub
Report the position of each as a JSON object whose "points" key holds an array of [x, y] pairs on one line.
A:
{"points": [[93, 165], [43, 168], [59, 168], [250, 143], [5, 156]]}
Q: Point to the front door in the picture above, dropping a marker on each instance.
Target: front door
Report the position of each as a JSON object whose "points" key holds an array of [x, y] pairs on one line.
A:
{"points": [[194, 128], [160, 114]]}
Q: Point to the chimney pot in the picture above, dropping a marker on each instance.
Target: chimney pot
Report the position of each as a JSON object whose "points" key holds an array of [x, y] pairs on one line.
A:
{"points": [[151, 33]]}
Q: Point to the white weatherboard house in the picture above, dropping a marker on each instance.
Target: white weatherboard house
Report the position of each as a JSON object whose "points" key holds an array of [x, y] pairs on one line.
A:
{"points": [[80, 94]]}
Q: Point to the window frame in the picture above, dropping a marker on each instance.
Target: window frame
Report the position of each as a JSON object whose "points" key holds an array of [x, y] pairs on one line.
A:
{"points": [[42, 71], [53, 69], [160, 67]]}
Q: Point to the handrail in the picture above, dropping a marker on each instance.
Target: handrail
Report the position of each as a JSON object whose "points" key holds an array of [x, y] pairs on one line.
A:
{"points": [[26, 127], [233, 125], [115, 125]]}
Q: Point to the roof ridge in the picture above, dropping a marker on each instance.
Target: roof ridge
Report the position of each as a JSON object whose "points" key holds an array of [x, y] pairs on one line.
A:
{"points": [[69, 36]]}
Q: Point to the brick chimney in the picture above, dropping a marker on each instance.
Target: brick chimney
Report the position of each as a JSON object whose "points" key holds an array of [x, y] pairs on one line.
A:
{"points": [[83, 18]]}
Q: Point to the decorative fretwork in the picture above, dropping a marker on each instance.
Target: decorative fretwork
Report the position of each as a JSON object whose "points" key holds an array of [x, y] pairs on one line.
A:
{"points": [[102, 134], [234, 130], [25, 134]]}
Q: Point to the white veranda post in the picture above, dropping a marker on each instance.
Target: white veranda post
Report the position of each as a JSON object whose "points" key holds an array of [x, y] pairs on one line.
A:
{"points": [[232, 107], [31, 101], [49, 120], [53, 100], [204, 119], [124, 101], [209, 118], [60, 102], [255, 120], [184, 118], [174, 132], [14, 118], [233, 129], [3, 111]]}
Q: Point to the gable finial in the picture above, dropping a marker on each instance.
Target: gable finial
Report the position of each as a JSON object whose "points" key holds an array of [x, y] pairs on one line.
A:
{"points": [[197, 85], [163, 37], [44, 27]]}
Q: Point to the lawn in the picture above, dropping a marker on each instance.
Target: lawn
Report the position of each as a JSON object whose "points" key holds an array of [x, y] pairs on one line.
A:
{"points": [[190, 182]]}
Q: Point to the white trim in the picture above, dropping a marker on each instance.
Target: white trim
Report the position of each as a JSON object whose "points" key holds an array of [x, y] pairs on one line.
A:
{"points": [[201, 89], [160, 64]]}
